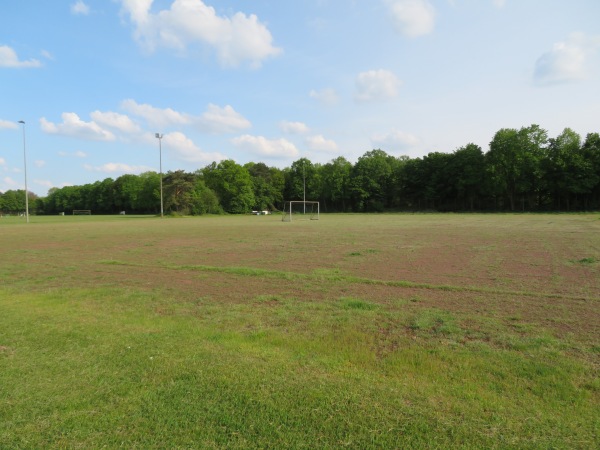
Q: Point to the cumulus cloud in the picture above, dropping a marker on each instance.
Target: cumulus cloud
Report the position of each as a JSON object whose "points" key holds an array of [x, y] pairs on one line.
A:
{"points": [[181, 147], [115, 168], [319, 143], [115, 121], [8, 124], [156, 117], [259, 145], [223, 120], [499, 3], [376, 85], [236, 39], [293, 127], [412, 18], [326, 96], [567, 61], [9, 58], [395, 141], [80, 8], [73, 126], [216, 119]]}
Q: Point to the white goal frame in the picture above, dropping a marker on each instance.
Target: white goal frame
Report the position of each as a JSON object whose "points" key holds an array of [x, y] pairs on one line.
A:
{"points": [[311, 210], [82, 212]]}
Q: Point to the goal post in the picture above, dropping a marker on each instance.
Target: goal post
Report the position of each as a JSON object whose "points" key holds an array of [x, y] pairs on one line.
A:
{"points": [[82, 212], [300, 209]]}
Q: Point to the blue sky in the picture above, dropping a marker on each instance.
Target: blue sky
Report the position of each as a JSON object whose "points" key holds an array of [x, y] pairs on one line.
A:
{"points": [[276, 80]]}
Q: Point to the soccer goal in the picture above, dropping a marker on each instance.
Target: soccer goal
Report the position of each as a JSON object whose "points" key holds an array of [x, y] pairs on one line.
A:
{"points": [[82, 212], [298, 209]]}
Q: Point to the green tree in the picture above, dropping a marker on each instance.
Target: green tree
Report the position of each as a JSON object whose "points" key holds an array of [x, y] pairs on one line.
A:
{"points": [[148, 199], [468, 174], [514, 164], [569, 174], [232, 184], [372, 182], [128, 189], [178, 188], [267, 184], [302, 181], [591, 153], [204, 199], [336, 184]]}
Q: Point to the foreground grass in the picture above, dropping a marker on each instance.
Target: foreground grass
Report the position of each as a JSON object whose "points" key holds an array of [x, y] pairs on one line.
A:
{"points": [[107, 341], [110, 368]]}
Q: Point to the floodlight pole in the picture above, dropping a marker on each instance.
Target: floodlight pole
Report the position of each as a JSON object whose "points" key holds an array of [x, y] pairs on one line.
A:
{"points": [[159, 137], [304, 184], [22, 122]]}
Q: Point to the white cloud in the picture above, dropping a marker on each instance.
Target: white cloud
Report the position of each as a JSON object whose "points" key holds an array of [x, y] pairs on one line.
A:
{"points": [[115, 121], [293, 127], [80, 8], [412, 18], [376, 85], [73, 126], [499, 3], [11, 184], [181, 147], [259, 145], [567, 61], [235, 40], [117, 168], [223, 120], [46, 54], [156, 117], [44, 183], [395, 141], [39, 163], [2, 161], [9, 58], [77, 154], [319, 143], [8, 124], [326, 96]]}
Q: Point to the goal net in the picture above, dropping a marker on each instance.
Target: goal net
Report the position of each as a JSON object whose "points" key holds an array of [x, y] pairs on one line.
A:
{"points": [[298, 210], [82, 212]]}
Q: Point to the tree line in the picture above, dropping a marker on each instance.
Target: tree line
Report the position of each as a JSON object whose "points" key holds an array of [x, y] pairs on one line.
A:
{"points": [[522, 170]]}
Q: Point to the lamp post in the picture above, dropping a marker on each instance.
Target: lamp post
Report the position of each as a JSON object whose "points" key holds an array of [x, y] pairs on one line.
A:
{"points": [[22, 122], [159, 137]]}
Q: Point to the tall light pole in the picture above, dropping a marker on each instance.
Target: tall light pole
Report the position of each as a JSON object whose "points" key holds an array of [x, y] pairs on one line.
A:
{"points": [[159, 137], [304, 184], [22, 122]]}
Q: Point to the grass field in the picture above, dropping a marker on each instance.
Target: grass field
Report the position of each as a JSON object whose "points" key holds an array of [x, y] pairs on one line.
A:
{"points": [[358, 331]]}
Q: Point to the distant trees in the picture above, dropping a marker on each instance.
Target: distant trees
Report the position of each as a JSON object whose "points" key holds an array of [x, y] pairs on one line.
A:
{"points": [[13, 201], [523, 170], [232, 184]]}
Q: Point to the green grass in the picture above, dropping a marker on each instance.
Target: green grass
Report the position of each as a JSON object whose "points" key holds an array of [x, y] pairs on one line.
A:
{"points": [[192, 341]]}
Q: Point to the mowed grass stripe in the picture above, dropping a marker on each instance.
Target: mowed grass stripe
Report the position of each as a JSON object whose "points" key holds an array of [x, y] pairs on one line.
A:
{"points": [[336, 276]]}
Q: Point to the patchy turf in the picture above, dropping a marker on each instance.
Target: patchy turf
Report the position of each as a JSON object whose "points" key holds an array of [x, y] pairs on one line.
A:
{"points": [[355, 330]]}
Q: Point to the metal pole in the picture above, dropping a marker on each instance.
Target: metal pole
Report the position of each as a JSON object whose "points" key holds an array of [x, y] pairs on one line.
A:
{"points": [[304, 185], [25, 169], [159, 137]]}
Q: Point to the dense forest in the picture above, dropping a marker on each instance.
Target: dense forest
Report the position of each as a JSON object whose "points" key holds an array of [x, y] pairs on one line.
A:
{"points": [[523, 170]]}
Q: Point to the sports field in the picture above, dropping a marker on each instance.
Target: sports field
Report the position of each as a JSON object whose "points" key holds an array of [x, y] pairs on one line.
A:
{"points": [[354, 331]]}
